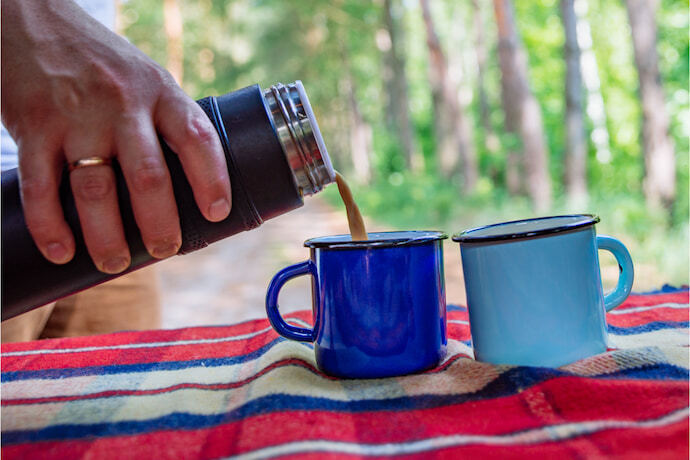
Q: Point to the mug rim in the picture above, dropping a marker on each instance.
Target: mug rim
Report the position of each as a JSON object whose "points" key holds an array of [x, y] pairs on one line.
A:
{"points": [[344, 241], [466, 236]]}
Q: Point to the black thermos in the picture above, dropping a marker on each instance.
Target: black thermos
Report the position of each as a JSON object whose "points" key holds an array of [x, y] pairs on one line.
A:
{"points": [[275, 156]]}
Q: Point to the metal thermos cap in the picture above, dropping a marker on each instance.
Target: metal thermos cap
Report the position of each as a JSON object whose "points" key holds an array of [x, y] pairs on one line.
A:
{"points": [[299, 136]]}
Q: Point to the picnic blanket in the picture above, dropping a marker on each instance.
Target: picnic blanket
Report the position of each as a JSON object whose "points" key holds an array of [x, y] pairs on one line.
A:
{"points": [[210, 392]]}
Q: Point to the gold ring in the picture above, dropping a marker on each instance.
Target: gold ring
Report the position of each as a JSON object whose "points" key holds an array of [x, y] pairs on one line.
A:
{"points": [[91, 161]]}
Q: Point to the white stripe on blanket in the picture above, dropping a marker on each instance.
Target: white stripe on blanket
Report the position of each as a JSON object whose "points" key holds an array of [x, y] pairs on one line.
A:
{"points": [[522, 437]]}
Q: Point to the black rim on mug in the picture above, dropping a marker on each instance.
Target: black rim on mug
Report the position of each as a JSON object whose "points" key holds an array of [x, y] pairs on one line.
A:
{"points": [[487, 233]]}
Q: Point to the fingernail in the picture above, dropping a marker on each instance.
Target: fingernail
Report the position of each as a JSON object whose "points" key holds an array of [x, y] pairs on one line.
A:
{"points": [[115, 265], [219, 210], [164, 250], [57, 252]]}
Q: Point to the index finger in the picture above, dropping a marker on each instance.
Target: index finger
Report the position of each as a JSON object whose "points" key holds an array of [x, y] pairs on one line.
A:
{"points": [[190, 133]]}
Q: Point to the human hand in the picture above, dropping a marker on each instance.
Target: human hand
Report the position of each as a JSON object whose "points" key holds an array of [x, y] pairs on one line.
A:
{"points": [[71, 90]]}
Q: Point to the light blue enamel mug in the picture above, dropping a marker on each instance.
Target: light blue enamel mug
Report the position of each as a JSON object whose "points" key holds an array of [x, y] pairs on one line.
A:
{"points": [[534, 291]]}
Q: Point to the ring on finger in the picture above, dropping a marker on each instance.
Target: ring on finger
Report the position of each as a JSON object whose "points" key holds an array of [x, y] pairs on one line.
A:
{"points": [[90, 161]]}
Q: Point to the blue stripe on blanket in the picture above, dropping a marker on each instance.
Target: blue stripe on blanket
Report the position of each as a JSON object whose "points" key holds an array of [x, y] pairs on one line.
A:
{"points": [[648, 327], [215, 362], [665, 289], [61, 373], [511, 382]]}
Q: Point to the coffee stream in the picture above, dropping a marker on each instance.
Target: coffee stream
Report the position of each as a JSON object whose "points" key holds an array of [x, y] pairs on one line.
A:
{"points": [[354, 217]]}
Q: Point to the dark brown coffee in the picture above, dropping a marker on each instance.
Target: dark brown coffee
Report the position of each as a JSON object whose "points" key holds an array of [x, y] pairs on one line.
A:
{"points": [[354, 217]]}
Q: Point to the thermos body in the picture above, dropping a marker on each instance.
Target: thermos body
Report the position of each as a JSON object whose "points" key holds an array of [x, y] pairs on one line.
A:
{"points": [[274, 153]]}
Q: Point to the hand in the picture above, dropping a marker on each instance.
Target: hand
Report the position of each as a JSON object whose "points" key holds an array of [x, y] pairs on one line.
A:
{"points": [[71, 89]]}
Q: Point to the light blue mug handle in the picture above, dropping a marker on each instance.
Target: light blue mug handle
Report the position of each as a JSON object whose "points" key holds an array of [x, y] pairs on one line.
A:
{"points": [[627, 273], [286, 330]]}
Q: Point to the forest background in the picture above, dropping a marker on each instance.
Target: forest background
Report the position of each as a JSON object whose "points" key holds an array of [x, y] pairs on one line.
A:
{"points": [[453, 114]]}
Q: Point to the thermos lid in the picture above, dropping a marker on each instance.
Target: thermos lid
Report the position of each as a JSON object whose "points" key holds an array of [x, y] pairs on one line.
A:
{"points": [[300, 137]]}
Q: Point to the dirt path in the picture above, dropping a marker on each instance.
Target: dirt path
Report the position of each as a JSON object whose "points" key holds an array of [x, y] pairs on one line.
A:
{"points": [[226, 282]]}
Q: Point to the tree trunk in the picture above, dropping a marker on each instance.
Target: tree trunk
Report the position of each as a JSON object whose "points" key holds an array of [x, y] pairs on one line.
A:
{"points": [[453, 135], [522, 111], [395, 80], [575, 138], [596, 111], [659, 159], [360, 132], [360, 139], [118, 28], [490, 138], [510, 94], [172, 19]]}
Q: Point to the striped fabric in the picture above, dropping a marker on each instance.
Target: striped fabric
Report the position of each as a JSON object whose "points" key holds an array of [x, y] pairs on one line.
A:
{"points": [[213, 392]]}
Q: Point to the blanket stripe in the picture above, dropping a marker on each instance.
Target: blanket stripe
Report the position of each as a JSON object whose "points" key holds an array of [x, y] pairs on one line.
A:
{"points": [[189, 349], [628, 443], [119, 385], [240, 390], [472, 408]]}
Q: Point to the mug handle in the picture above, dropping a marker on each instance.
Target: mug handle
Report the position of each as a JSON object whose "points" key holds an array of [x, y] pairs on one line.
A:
{"points": [[627, 273], [286, 330]]}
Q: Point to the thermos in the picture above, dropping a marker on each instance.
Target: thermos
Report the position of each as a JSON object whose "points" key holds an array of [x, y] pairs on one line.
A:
{"points": [[275, 156]]}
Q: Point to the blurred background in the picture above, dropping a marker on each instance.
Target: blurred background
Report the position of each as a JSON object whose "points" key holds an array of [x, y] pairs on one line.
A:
{"points": [[446, 114]]}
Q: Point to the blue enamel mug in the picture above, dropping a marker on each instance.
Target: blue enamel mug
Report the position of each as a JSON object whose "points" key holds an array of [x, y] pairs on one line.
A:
{"points": [[534, 292], [379, 306]]}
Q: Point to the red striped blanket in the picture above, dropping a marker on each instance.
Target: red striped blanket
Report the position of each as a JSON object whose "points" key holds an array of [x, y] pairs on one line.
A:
{"points": [[210, 392]]}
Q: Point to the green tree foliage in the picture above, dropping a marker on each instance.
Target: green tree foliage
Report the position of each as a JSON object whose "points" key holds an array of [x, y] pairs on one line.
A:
{"points": [[231, 44]]}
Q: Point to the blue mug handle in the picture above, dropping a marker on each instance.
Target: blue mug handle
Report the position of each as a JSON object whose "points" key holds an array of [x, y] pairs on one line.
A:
{"points": [[627, 273], [286, 330]]}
